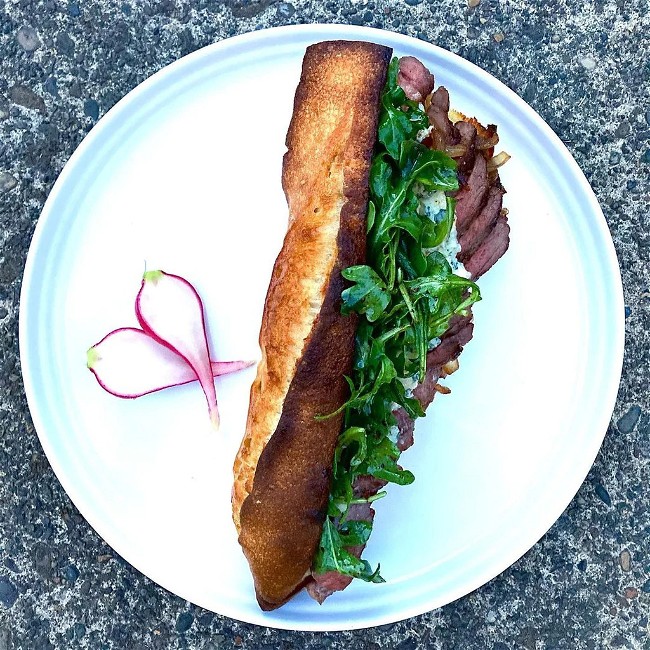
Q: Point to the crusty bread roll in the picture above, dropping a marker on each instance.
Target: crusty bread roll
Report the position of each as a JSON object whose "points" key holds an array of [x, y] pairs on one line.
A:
{"points": [[283, 467]]}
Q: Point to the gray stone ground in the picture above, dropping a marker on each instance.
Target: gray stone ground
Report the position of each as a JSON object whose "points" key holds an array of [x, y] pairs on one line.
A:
{"points": [[584, 66]]}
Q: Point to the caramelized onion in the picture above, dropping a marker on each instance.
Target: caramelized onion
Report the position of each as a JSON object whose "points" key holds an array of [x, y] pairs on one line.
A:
{"points": [[487, 143], [457, 150], [450, 367], [496, 161]]}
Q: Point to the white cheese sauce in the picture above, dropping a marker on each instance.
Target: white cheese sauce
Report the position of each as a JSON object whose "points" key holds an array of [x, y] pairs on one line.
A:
{"points": [[450, 248], [410, 383], [434, 206]]}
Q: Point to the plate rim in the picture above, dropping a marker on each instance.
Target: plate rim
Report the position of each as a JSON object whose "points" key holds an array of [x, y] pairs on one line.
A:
{"points": [[319, 31]]}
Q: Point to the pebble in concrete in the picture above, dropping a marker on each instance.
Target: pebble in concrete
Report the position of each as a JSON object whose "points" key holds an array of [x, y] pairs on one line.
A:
{"points": [[184, 622], [8, 593], [91, 109], [587, 63], [7, 182], [625, 560], [628, 421], [28, 38], [26, 97]]}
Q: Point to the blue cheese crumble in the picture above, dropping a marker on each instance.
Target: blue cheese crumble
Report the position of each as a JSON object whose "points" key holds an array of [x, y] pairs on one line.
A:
{"points": [[434, 206]]}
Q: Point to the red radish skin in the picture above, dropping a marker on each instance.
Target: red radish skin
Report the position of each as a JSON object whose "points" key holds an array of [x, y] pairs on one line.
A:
{"points": [[129, 363], [169, 308]]}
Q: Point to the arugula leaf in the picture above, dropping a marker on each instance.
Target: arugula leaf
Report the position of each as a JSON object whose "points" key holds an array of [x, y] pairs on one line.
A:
{"points": [[380, 175], [400, 118], [332, 556], [394, 126], [411, 405], [367, 296], [408, 218], [382, 463], [391, 77], [352, 436], [435, 232], [433, 169], [371, 216], [355, 533]]}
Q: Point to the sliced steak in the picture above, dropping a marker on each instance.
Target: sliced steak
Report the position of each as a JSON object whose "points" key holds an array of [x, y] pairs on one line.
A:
{"points": [[457, 323], [440, 99], [360, 512], [467, 140], [425, 391], [487, 140], [322, 585], [492, 248], [414, 78], [451, 345], [367, 486], [471, 196], [443, 134], [406, 426], [482, 225]]}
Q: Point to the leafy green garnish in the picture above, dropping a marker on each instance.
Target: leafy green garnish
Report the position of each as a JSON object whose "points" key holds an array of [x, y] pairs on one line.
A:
{"points": [[400, 119], [405, 297], [332, 556], [435, 232], [367, 296], [395, 206]]}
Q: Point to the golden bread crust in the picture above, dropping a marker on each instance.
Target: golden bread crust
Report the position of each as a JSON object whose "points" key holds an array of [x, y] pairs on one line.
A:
{"points": [[283, 468]]}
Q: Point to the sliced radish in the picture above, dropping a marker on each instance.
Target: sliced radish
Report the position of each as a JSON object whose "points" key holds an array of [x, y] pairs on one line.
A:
{"points": [[220, 368], [169, 309], [130, 363]]}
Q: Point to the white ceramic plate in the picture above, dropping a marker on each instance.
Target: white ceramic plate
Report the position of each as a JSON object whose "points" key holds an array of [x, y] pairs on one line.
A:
{"points": [[184, 175]]}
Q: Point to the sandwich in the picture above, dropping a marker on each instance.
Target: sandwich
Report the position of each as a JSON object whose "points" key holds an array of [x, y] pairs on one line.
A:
{"points": [[395, 209]]}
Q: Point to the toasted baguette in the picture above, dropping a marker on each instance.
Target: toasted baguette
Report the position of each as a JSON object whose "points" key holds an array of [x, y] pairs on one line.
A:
{"points": [[283, 468]]}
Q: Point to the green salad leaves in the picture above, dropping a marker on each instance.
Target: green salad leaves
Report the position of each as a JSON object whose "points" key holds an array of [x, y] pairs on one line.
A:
{"points": [[405, 296]]}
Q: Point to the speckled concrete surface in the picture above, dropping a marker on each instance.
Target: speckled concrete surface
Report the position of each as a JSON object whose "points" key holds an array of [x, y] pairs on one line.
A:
{"points": [[584, 66]]}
